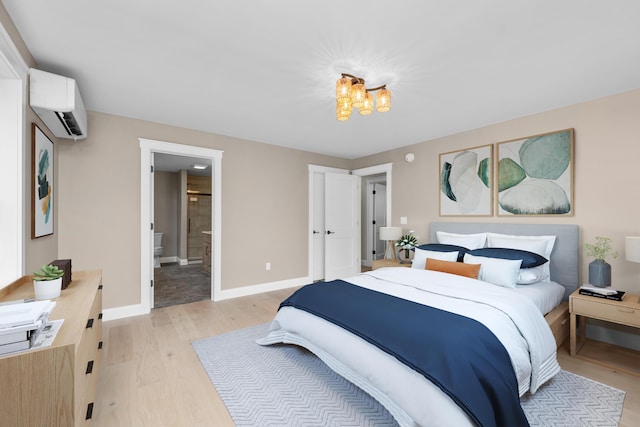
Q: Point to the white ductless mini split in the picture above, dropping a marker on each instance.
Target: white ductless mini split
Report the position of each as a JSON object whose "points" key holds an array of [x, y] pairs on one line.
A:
{"points": [[56, 100]]}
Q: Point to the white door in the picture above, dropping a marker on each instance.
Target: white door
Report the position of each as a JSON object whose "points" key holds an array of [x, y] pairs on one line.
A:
{"points": [[342, 226]]}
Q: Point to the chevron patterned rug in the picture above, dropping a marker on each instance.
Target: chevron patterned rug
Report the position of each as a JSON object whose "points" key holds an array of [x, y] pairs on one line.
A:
{"points": [[285, 385]]}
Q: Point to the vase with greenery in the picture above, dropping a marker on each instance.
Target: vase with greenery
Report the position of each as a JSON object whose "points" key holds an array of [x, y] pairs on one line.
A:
{"points": [[599, 268], [406, 243], [47, 282]]}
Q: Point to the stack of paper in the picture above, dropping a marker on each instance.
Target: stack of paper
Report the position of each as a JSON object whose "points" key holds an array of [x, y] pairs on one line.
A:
{"points": [[603, 291], [20, 324]]}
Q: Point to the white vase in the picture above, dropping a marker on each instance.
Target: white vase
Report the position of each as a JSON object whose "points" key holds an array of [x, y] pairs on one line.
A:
{"points": [[47, 289]]}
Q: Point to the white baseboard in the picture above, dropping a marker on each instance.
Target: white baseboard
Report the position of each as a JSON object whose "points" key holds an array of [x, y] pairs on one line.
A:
{"points": [[261, 288], [122, 312], [182, 261], [168, 259], [137, 309]]}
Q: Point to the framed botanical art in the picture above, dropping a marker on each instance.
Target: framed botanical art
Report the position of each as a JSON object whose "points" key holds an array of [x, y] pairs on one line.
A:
{"points": [[42, 183], [535, 175], [466, 182]]}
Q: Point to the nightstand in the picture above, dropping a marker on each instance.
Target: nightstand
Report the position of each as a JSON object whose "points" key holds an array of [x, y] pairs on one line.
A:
{"points": [[379, 263], [625, 312]]}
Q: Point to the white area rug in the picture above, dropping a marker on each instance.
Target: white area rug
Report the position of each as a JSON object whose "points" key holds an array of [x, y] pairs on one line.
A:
{"points": [[285, 385]]}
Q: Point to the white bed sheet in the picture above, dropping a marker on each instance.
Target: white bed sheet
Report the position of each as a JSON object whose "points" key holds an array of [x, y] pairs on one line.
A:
{"points": [[410, 397], [545, 295]]}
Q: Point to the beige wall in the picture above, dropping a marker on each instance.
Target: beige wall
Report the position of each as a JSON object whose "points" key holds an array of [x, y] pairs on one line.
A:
{"points": [[606, 180], [264, 204]]}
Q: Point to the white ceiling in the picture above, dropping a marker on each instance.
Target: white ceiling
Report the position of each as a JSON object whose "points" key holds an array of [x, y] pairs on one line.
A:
{"points": [[266, 70], [173, 163]]}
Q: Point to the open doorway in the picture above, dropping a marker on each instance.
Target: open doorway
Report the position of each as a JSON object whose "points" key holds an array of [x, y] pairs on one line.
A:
{"points": [[376, 209], [159, 150], [181, 274]]}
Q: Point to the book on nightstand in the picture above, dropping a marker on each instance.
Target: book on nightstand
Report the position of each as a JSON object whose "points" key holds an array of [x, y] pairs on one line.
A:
{"points": [[606, 293]]}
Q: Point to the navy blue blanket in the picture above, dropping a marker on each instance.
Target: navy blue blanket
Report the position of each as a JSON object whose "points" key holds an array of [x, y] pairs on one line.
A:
{"points": [[459, 355]]}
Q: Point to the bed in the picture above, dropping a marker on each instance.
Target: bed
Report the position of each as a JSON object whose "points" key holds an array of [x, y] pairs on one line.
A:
{"points": [[350, 344]]}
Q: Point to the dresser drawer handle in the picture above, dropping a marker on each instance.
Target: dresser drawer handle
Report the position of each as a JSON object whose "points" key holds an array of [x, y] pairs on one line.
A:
{"points": [[564, 322], [100, 345], [89, 367], [89, 411], [89, 323], [100, 316], [626, 310], [100, 286]]}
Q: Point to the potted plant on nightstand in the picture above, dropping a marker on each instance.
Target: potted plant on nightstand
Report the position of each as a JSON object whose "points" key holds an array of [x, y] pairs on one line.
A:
{"points": [[406, 243], [47, 283], [599, 268]]}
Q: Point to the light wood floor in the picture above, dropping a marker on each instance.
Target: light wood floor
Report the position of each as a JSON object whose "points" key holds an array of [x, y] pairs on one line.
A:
{"points": [[151, 376]]}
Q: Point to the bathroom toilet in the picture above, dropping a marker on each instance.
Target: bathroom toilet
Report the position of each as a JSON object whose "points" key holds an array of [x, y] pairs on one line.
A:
{"points": [[157, 249]]}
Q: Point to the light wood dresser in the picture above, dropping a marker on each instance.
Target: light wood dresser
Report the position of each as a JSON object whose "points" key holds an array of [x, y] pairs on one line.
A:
{"points": [[56, 386]]}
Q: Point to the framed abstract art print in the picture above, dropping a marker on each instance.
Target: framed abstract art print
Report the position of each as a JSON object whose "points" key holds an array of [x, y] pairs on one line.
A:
{"points": [[535, 175], [42, 183], [466, 178]]}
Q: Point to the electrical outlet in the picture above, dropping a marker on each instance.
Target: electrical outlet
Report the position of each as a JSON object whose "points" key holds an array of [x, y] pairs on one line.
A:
{"points": [[267, 266], [403, 220]]}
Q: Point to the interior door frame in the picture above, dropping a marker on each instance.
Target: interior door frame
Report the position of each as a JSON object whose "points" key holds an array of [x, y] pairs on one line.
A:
{"points": [[371, 170], [147, 148], [14, 74]]}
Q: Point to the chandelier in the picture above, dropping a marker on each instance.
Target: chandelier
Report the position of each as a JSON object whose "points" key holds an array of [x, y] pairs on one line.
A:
{"points": [[351, 93]]}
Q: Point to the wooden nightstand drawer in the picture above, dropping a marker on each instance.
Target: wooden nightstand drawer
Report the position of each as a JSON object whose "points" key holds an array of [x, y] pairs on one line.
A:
{"points": [[605, 310]]}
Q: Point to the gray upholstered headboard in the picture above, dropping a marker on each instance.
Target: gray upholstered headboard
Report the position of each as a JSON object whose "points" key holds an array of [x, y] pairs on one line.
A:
{"points": [[564, 257]]}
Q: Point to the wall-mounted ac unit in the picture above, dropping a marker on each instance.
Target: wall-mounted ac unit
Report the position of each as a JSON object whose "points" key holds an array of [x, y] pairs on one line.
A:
{"points": [[56, 100]]}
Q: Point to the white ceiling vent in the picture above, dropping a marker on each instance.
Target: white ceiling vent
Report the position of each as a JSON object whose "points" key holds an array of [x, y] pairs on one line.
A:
{"points": [[56, 100]]}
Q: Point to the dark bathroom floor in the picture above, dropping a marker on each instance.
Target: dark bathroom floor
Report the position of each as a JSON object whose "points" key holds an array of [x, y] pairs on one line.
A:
{"points": [[180, 284]]}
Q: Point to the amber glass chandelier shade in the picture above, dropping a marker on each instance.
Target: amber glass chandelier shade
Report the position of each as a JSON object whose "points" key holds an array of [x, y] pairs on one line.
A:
{"points": [[367, 104], [343, 89], [343, 109], [342, 117], [358, 92], [383, 100]]}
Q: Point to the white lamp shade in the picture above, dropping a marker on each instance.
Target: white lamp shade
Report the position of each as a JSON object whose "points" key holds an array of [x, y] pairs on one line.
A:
{"points": [[632, 248], [390, 233]]}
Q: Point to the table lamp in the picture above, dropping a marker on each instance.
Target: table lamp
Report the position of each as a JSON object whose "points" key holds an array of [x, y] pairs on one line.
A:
{"points": [[632, 249], [390, 234]]}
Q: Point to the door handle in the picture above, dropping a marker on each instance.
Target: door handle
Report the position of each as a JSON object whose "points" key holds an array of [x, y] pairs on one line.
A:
{"points": [[331, 232], [315, 232]]}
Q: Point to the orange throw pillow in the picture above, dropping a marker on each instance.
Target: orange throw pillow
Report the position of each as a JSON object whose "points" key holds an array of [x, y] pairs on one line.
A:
{"points": [[459, 268]]}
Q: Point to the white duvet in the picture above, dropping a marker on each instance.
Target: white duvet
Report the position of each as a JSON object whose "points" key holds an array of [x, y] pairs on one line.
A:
{"points": [[409, 396]]}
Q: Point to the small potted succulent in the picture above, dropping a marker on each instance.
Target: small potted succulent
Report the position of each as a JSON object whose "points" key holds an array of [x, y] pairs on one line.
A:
{"points": [[599, 268], [406, 243], [47, 282]]}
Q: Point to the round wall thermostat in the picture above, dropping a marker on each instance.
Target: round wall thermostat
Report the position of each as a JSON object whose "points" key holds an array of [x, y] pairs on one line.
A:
{"points": [[410, 157]]}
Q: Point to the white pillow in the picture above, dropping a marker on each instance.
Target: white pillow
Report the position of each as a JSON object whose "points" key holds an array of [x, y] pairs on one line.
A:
{"points": [[542, 245], [469, 241], [501, 272], [421, 255], [527, 276]]}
